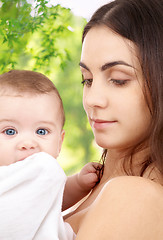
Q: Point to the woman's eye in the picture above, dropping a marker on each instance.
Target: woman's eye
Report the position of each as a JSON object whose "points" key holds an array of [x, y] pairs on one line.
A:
{"points": [[119, 82], [10, 131], [87, 82], [42, 131]]}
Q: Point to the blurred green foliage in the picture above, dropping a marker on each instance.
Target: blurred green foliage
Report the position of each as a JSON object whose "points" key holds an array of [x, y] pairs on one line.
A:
{"points": [[39, 37]]}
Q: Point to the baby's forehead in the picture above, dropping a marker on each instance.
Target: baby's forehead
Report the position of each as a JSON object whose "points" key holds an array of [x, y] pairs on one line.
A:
{"points": [[55, 99], [14, 92], [51, 97]]}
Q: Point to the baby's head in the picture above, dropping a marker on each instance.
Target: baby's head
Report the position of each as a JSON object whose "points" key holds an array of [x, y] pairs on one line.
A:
{"points": [[31, 116], [22, 82]]}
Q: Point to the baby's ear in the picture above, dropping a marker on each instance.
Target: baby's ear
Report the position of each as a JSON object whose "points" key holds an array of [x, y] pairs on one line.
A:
{"points": [[62, 135], [61, 139]]}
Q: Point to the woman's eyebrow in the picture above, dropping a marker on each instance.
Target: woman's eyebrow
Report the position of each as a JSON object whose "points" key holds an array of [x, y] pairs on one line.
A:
{"points": [[107, 65], [115, 63], [81, 64]]}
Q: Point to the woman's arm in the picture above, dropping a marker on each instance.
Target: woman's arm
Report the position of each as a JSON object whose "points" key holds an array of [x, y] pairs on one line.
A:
{"points": [[127, 208]]}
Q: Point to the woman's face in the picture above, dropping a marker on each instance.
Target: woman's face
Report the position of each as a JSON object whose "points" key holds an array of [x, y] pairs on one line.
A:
{"points": [[113, 90]]}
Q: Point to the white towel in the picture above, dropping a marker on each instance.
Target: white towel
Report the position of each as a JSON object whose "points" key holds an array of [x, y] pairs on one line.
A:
{"points": [[31, 198]]}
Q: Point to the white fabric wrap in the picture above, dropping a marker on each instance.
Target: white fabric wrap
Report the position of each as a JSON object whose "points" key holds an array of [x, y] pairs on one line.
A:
{"points": [[31, 193]]}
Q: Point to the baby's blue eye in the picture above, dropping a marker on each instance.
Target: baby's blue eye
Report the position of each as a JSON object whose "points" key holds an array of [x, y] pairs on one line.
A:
{"points": [[10, 131], [42, 131]]}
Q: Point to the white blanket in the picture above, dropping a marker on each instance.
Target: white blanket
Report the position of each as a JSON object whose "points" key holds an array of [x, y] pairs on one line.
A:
{"points": [[30, 200]]}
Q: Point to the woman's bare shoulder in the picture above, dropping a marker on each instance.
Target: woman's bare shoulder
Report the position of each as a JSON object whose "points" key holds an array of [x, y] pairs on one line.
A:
{"points": [[136, 192], [135, 185], [126, 208]]}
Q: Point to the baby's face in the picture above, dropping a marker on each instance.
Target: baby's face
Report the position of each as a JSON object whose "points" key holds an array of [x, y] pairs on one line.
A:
{"points": [[29, 124]]}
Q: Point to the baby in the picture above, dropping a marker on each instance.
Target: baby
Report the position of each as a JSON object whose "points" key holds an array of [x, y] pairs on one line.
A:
{"points": [[33, 187]]}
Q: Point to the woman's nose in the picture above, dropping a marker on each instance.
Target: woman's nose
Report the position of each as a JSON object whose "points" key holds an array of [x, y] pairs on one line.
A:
{"points": [[95, 96]]}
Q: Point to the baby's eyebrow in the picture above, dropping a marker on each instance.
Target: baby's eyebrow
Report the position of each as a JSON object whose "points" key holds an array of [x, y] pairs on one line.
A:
{"points": [[7, 120], [46, 122]]}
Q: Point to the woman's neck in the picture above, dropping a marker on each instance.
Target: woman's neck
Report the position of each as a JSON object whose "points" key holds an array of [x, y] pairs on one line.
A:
{"points": [[113, 166], [116, 160]]}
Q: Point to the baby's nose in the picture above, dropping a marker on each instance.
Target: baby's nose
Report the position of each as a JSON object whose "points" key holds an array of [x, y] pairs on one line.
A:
{"points": [[27, 145]]}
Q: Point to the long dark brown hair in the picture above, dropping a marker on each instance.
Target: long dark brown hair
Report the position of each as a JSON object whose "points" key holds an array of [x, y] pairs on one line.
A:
{"points": [[141, 21]]}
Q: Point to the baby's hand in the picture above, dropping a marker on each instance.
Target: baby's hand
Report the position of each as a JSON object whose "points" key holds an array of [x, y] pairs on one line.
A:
{"points": [[89, 176], [80, 184]]}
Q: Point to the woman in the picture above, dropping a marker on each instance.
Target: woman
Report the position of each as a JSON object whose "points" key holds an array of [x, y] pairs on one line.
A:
{"points": [[121, 65]]}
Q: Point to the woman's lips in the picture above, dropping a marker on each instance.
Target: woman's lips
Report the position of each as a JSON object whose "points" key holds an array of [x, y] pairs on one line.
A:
{"points": [[101, 124]]}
